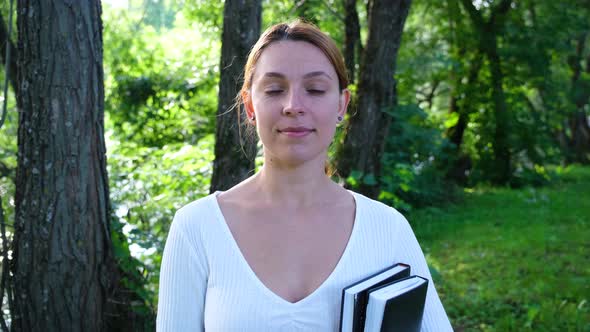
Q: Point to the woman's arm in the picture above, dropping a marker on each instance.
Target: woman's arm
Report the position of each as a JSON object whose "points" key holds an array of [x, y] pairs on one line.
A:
{"points": [[435, 318], [183, 280]]}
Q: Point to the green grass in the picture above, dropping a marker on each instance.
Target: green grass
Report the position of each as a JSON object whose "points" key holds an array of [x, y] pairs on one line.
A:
{"points": [[513, 260]]}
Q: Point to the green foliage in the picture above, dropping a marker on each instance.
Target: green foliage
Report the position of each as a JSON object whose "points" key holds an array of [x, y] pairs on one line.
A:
{"points": [[513, 260], [134, 276], [534, 45], [8, 155], [154, 88], [411, 176], [161, 101], [161, 65], [327, 15], [207, 16], [152, 183]]}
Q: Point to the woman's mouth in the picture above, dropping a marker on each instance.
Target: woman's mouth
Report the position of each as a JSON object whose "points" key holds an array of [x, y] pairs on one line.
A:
{"points": [[296, 131]]}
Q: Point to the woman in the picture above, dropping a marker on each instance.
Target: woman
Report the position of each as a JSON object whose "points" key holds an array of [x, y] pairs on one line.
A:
{"points": [[274, 252]]}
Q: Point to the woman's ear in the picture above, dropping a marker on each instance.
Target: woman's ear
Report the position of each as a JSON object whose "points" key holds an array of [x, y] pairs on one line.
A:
{"points": [[344, 101], [249, 108]]}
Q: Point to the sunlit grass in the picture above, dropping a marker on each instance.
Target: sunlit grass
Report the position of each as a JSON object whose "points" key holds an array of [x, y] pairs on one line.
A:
{"points": [[513, 260]]}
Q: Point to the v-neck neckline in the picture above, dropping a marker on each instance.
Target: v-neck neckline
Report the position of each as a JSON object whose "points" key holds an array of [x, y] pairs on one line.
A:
{"points": [[252, 275]]}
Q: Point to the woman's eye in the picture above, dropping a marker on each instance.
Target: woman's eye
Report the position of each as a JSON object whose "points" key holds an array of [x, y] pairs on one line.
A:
{"points": [[273, 92], [315, 91]]}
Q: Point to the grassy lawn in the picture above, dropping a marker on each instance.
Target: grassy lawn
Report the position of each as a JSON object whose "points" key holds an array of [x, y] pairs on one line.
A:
{"points": [[513, 260]]}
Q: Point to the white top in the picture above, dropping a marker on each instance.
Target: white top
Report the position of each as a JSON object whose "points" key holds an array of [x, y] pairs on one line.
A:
{"points": [[205, 282]]}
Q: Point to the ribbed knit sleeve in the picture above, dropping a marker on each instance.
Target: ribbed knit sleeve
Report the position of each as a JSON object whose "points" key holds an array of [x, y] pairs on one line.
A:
{"points": [[435, 319], [183, 280]]}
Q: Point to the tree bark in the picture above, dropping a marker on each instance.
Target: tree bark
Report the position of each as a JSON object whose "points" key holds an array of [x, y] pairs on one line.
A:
{"points": [[352, 38], [235, 148], [500, 143], [368, 128], [461, 88], [461, 162], [63, 263]]}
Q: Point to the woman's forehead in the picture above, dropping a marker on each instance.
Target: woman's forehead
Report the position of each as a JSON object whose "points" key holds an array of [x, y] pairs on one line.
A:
{"points": [[288, 58]]}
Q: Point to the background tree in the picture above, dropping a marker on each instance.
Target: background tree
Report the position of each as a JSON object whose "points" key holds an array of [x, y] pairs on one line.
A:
{"points": [[64, 269], [367, 129], [235, 147], [488, 31], [162, 75], [579, 142], [353, 47]]}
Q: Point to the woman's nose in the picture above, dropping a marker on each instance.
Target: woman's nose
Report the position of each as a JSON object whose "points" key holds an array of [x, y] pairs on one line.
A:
{"points": [[294, 104]]}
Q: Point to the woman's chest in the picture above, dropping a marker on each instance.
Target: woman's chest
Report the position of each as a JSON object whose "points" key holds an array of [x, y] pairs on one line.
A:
{"points": [[292, 257]]}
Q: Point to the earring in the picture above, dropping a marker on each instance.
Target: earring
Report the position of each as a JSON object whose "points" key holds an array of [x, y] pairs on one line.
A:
{"points": [[339, 118]]}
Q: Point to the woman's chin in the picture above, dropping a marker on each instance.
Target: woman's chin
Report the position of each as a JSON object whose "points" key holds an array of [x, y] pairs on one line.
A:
{"points": [[295, 159]]}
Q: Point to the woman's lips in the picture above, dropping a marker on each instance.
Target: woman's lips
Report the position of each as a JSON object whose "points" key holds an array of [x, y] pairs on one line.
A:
{"points": [[296, 131]]}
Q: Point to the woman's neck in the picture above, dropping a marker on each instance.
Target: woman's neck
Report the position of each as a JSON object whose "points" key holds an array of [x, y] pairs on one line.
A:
{"points": [[294, 187]]}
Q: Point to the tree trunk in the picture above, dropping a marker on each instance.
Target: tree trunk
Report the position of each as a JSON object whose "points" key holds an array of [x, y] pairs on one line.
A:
{"points": [[488, 44], [459, 105], [235, 146], [500, 138], [63, 263], [579, 142], [368, 128], [352, 38]]}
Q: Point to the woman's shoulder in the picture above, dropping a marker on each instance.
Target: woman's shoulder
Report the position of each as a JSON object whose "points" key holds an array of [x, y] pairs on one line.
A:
{"points": [[376, 210], [195, 213]]}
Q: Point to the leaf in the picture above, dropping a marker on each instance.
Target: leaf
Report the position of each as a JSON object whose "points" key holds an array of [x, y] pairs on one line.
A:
{"points": [[452, 120]]}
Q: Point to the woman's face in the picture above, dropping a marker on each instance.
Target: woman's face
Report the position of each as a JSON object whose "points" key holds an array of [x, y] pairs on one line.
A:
{"points": [[297, 101]]}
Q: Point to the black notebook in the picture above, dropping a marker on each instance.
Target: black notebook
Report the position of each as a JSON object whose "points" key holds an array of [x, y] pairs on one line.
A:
{"points": [[397, 306], [355, 296]]}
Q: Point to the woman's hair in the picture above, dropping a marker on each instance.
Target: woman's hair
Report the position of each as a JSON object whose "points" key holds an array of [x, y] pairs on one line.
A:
{"points": [[296, 31]]}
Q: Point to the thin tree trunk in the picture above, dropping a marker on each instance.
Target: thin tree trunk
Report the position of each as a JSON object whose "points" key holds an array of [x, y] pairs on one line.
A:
{"points": [[368, 128], [4, 37], [352, 38], [62, 252], [579, 142], [488, 41], [500, 138], [458, 104], [235, 148]]}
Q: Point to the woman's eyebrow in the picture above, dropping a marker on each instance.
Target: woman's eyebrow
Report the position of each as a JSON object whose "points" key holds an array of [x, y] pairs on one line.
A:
{"points": [[317, 73], [272, 74]]}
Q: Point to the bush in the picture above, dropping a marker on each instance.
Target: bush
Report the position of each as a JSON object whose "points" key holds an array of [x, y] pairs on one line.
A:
{"points": [[412, 175]]}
